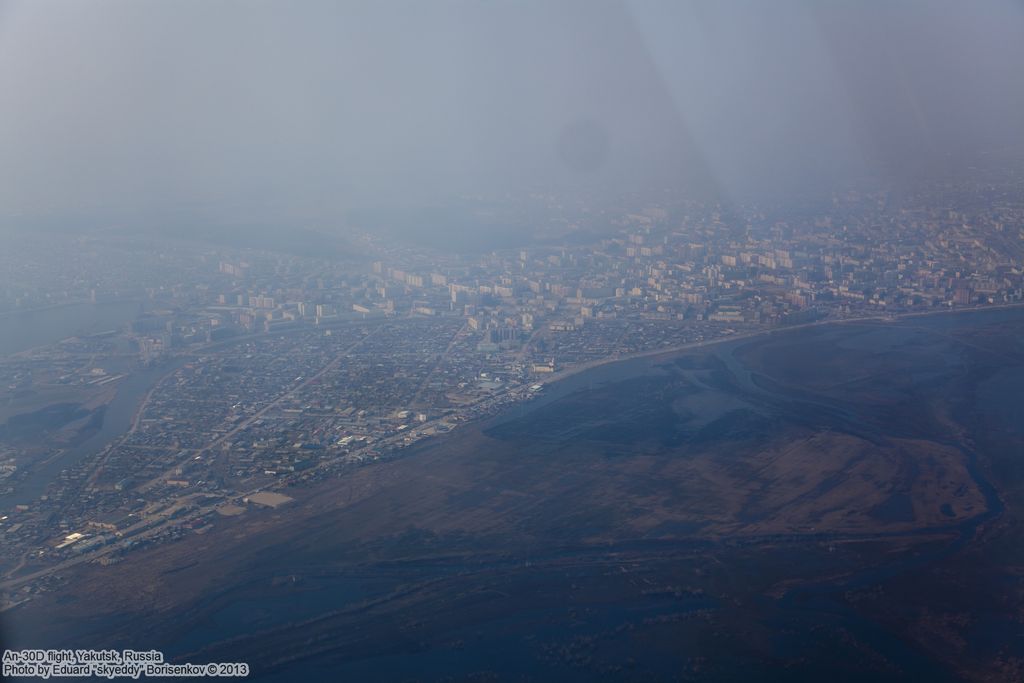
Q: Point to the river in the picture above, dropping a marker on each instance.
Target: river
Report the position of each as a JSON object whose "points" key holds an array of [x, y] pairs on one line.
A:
{"points": [[117, 419], [20, 331], [23, 330]]}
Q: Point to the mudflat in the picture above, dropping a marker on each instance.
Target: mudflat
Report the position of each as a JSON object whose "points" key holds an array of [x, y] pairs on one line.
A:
{"points": [[844, 498]]}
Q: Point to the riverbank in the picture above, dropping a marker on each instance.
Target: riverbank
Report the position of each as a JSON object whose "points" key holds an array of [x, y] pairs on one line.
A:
{"points": [[685, 507], [674, 350], [26, 330]]}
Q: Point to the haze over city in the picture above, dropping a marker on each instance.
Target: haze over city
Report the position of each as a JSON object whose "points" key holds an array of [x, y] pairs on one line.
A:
{"points": [[512, 341], [232, 109]]}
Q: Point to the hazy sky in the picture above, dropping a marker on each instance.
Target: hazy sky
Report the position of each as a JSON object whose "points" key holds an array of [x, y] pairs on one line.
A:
{"points": [[319, 106]]}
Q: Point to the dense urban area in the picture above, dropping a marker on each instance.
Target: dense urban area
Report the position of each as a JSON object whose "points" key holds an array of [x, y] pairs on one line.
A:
{"points": [[272, 369]]}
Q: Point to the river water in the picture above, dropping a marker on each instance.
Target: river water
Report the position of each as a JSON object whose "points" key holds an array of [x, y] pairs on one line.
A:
{"points": [[116, 421], [23, 330], [800, 612]]}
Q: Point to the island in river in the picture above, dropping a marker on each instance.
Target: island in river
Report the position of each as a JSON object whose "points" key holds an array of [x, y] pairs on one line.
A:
{"points": [[839, 502]]}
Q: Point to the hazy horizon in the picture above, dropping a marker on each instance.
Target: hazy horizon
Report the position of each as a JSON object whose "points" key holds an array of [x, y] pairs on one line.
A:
{"points": [[311, 109], [512, 340]]}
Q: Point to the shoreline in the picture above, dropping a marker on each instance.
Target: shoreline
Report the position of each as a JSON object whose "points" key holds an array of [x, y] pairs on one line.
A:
{"points": [[9, 582], [673, 350], [37, 329]]}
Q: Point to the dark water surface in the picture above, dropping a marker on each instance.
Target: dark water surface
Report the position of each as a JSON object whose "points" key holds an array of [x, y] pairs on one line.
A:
{"points": [[800, 616], [541, 627], [116, 420], [20, 331]]}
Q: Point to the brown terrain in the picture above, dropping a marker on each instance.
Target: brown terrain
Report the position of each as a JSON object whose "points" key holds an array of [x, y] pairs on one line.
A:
{"points": [[760, 509]]}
